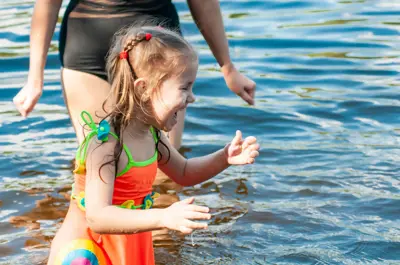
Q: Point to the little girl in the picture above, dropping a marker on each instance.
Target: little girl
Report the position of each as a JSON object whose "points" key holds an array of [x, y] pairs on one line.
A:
{"points": [[109, 222]]}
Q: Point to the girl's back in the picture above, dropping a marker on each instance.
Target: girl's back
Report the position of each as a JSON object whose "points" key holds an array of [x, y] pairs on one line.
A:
{"points": [[132, 190]]}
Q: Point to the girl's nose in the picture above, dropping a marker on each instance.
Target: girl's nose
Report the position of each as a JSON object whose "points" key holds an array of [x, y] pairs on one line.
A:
{"points": [[191, 98]]}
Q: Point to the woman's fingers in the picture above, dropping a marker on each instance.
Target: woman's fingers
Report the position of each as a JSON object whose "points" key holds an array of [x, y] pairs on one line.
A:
{"points": [[19, 98], [19, 102], [248, 97]]}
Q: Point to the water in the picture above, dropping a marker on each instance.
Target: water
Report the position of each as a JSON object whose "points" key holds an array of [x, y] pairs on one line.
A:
{"points": [[325, 189]]}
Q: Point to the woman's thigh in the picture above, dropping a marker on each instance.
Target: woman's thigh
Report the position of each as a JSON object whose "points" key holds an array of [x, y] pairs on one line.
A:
{"points": [[83, 91]]}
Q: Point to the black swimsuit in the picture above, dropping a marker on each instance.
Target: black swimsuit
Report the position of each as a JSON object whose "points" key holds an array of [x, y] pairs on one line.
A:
{"points": [[88, 27]]}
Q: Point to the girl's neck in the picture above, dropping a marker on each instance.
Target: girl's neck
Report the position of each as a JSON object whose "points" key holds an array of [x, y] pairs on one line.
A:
{"points": [[138, 128]]}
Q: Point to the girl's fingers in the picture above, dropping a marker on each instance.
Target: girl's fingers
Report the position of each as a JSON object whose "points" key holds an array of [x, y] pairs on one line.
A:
{"points": [[254, 154], [197, 208], [245, 145], [238, 138], [197, 216], [188, 200], [255, 147], [195, 225], [185, 230], [250, 140], [251, 161]]}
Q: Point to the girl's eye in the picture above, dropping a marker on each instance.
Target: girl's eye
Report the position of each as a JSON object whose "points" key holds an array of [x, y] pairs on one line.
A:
{"points": [[185, 88]]}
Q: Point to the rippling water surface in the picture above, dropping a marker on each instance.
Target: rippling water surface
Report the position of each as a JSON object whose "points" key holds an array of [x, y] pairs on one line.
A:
{"points": [[325, 189]]}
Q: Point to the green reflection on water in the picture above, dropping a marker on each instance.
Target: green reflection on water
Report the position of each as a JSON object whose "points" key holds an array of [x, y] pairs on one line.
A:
{"points": [[326, 23], [344, 55], [392, 23], [238, 15], [351, 2]]}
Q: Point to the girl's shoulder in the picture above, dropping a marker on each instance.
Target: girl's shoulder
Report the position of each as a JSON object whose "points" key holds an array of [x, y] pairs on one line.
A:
{"points": [[98, 145]]}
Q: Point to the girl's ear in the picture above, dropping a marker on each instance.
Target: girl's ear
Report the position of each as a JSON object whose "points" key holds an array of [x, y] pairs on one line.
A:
{"points": [[141, 89], [140, 84]]}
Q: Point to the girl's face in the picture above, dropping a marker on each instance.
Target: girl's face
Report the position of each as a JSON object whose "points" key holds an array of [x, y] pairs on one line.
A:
{"points": [[173, 96]]}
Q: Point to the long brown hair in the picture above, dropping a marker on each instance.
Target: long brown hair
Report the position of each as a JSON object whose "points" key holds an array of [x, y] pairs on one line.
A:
{"points": [[156, 59]]}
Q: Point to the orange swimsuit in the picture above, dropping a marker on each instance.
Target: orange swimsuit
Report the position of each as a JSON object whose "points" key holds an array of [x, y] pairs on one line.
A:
{"points": [[132, 190]]}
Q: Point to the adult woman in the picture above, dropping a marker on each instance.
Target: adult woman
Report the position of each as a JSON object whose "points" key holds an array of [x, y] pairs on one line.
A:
{"points": [[87, 25]]}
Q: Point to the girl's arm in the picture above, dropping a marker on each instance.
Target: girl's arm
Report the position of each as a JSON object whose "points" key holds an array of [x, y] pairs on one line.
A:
{"points": [[189, 172], [208, 18], [105, 218], [44, 19]]}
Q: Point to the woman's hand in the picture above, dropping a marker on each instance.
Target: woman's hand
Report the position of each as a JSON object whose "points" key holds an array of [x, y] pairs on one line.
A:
{"points": [[242, 152], [239, 84], [27, 97], [179, 215]]}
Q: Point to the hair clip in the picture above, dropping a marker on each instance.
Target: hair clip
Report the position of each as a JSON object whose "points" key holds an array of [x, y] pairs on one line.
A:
{"points": [[148, 36], [123, 55], [103, 131]]}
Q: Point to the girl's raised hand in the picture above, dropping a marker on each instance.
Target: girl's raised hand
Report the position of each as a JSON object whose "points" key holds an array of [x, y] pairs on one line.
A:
{"points": [[242, 152], [179, 215]]}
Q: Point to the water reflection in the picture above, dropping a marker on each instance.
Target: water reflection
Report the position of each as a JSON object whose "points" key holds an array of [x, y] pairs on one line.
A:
{"points": [[324, 191]]}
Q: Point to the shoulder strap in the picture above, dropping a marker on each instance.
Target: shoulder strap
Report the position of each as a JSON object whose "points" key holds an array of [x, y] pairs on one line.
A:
{"points": [[90, 123], [153, 132], [101, 131], [133, 163]]}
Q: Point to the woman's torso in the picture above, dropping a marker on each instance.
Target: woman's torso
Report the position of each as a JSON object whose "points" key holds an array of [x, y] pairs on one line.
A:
{"points": [[113, 8], [88, 27]]}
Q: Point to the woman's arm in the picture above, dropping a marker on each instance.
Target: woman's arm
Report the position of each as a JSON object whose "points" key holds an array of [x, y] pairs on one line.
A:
{"points": [[44, 19], [189, 172], [105, 218], [208, 18], [207, 15]]}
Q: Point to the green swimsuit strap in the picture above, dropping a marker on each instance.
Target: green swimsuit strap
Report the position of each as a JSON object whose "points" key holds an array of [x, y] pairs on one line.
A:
{"points": [[102, 131], [82, 150], [133, 163]]}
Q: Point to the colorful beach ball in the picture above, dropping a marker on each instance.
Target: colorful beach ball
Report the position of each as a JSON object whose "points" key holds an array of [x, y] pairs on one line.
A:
{"points": [[81, 252]]}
